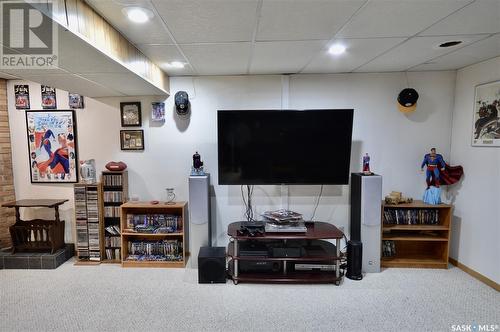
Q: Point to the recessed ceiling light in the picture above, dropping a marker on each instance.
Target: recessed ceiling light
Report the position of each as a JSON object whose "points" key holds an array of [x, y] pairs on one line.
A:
{"points": [[175, 65], [450, 43], [336, 49], [138, 14]]}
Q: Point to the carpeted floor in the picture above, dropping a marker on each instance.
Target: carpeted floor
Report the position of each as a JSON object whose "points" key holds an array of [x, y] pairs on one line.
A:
{"points": [[110, 298]]}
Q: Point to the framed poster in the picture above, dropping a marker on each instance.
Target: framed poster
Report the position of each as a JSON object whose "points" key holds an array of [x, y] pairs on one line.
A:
{"points": [[22, 96], [132, 139], [131, 114], [486, 120], [158, 112], [49, 101], [52, 146], [75, 101]]}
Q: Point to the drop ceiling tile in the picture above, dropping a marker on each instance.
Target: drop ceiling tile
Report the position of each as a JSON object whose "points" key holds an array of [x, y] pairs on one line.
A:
{"points": [[413, 52], [151, 32], [218, 59], [299, 20], [358, 52], [477, 52], [195, 21], [482, 16], [398, 18], [284, 56], [163, 54]]}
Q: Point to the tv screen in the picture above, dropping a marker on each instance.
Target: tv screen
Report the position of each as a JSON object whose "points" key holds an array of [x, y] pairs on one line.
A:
{"points": [[284, 146]]}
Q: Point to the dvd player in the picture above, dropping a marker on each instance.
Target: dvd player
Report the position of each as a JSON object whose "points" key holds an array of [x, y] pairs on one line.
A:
{"points": [[299, 227]]}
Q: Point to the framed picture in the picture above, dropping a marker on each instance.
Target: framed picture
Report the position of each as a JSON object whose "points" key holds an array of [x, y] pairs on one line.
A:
{"points": [[49, 100], [52, 146], [132, 139], [486, 120], [75, 101], [22, 95], [131, 114], [158, 112]]}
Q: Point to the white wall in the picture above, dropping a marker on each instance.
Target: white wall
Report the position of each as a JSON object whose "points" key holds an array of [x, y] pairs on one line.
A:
{"points": [[396, 142], [476, 222]]}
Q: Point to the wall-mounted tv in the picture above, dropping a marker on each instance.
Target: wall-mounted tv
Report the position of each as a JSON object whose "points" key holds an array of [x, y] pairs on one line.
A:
{"points": [[284, 146]]}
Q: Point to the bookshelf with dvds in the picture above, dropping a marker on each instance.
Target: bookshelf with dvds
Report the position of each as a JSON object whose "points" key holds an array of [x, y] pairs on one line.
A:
{"points": [[416, 235], [88, 220], [154, 235], [114, 194]]}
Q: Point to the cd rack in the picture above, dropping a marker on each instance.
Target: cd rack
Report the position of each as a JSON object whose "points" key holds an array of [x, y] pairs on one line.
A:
{"points": [[114, 194], [88, 218]]}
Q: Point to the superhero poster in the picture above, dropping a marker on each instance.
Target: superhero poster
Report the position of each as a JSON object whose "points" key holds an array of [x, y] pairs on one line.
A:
{"points": [[486, 123], [49, 101], [22, 95], [52, 146]]}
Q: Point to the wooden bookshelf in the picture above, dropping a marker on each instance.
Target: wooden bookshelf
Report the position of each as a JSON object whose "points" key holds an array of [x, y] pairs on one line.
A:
{"points": [[420, 236], [88, 223], [128, 235], [114, 194]]}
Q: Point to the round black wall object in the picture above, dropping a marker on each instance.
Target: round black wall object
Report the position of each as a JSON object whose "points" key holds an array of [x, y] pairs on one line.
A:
{"points": [[181, 102]]}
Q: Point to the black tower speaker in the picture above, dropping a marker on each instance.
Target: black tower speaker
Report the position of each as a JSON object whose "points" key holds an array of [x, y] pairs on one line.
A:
{"points": [[212, 265], [354, 260]]}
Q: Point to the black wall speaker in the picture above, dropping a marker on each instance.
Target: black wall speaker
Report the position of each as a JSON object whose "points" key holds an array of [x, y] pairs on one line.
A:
{"points": [[354, 260], [212, 265]]}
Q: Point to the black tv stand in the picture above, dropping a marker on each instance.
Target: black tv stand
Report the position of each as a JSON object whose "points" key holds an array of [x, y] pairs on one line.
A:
{"points": [[281, 269]]}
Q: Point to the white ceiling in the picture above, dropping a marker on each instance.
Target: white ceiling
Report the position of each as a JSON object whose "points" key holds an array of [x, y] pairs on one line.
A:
{"points": [[228, 37]]}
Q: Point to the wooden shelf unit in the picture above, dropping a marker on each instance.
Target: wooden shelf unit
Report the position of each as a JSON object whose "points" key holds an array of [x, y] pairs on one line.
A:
{"points": [[127, 235], [88, 223], [418, 245], [114, 194]]}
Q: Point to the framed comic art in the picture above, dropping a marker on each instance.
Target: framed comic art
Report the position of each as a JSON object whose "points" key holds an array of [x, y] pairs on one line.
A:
{"points": [[52, 146], [486, 119], [130, 114], [132, 139]]}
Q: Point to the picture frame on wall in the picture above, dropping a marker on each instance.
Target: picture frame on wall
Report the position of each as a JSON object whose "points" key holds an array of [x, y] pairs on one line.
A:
{"points": [[75, 101], [49, 99], [130, 114], [22, 96], [157, 112], [132, 140], [52, 146], [486, 117]]}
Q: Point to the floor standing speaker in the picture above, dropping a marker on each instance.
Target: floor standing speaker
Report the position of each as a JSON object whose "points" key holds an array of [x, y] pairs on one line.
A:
{"points": [[366, 213], [212, 265], [354, 260], [199, 214]]}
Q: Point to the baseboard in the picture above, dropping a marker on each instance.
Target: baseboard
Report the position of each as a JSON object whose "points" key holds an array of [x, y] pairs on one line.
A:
{"points": [[475, 274]]}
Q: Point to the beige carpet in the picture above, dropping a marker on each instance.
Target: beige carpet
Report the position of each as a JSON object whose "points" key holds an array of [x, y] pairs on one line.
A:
{"points": [[110, 298]]}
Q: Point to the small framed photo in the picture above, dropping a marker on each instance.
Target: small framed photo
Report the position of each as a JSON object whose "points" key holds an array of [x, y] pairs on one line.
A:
{"points": [[131, 114], [158, 112], [75, 101], [132, 139]]}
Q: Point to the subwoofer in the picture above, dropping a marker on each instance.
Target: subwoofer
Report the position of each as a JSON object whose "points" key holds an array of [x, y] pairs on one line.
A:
{"points": [[212, 265], [354, 260]]}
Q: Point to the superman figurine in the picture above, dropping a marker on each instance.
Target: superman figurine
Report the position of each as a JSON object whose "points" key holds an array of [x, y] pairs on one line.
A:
{"points": [[435, 165]]}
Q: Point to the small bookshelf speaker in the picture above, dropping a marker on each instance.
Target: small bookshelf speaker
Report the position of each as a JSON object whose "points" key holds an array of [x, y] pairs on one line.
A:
{"points": [[212, 265]]}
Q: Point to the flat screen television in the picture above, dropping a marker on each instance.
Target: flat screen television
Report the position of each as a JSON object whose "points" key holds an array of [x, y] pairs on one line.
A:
{"points": [[284, 146]]}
